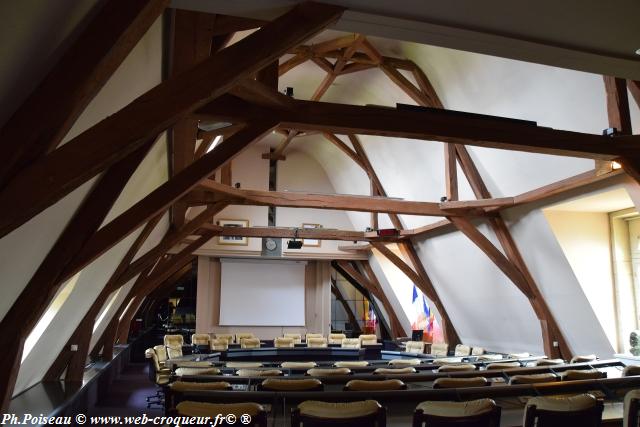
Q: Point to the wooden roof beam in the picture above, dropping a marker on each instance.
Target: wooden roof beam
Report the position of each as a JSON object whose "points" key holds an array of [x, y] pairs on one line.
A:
{"points": [[113, 138], [331, 201], [166, 194], [73, 82], [432, 124]]}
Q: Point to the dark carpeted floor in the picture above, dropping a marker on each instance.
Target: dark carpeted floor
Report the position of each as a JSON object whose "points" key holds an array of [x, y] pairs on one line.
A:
{"points": [[127, 395]]}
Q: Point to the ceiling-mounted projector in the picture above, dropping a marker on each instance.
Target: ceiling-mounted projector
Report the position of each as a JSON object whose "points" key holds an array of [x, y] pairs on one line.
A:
{"points": [[295, 243]]}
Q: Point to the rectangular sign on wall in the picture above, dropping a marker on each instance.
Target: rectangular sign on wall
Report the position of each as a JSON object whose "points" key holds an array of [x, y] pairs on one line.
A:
{"points": [[262, 293]]}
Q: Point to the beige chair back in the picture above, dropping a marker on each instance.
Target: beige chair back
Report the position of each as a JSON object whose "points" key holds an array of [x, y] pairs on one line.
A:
{"points": [[312, 335], [249, 342], [336, 338], [242, 335], [414, 347], [283, 342], [503, 365], [317, 413], [161, 353], [228, 337], [439, 349], [317, 342], [631, 417], [395, 371], [350, 343], [460, 367], [174, 352], [298, 365], [481, 412], [533, 379], [462, 350], [579, 374], [297, 338], [173, 340], [477, 351], [584, 358], [200, 339], [581, 410], [219, 344], [368, 339], [325, 372]]}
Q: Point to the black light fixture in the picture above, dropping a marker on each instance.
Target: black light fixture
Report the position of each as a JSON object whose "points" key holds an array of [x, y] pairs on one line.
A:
{"points": [[294, 244]]}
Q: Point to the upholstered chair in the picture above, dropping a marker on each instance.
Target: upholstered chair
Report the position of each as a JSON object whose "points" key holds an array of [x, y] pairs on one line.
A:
{"points": [[581, 374], [200, 339], [241, 335], [549, 362], [439, 349], [489, 357], [187, 371], [312, 335], [582, 410], [283, 342], [462, 350], [533, 379], [258, 372], [375, 385], [298, 365], [159, 375], [174, 352], [326, 372], [395, 371], [350, 343], [473, 413], [202, 409], [446, 360], [503, 365], [336, 338], [414, 347], [297, 338], [317, 342], [362, 413], [351, 364], [518, 355], [584, 358], [459, 367], [161, 354], [477, 351], [460, 382], [249, 343], [368, 339], [276, 384], [631, 417], [631, 371], [219, 344], [173, 340], [227, 337], [404, 362]]}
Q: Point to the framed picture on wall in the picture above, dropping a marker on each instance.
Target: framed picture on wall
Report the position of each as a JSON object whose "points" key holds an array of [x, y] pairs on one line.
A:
{"points": [[233, 240], [311, 242]]}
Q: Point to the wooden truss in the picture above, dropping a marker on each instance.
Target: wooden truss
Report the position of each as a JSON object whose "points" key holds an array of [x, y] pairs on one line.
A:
{"points": [[213, 82]]}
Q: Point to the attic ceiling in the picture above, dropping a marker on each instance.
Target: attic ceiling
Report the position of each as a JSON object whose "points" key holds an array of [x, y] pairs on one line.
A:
{"points": [[584, 35]]}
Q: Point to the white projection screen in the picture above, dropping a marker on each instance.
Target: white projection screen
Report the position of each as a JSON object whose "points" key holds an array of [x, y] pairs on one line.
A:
{"points": [[262, 293]]}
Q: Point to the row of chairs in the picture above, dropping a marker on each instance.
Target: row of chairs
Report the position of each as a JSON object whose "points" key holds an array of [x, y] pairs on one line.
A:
{"points": [[579, 410]]}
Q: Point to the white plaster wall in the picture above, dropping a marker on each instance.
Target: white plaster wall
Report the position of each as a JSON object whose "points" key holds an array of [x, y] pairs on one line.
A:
{"points": [[27, 246], [303, 173], [252, 172], [486, 308], [376, 261], [586, 242]]}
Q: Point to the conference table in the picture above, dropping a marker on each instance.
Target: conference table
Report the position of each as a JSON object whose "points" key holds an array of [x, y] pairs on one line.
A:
{"points": [[295, 354]]}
